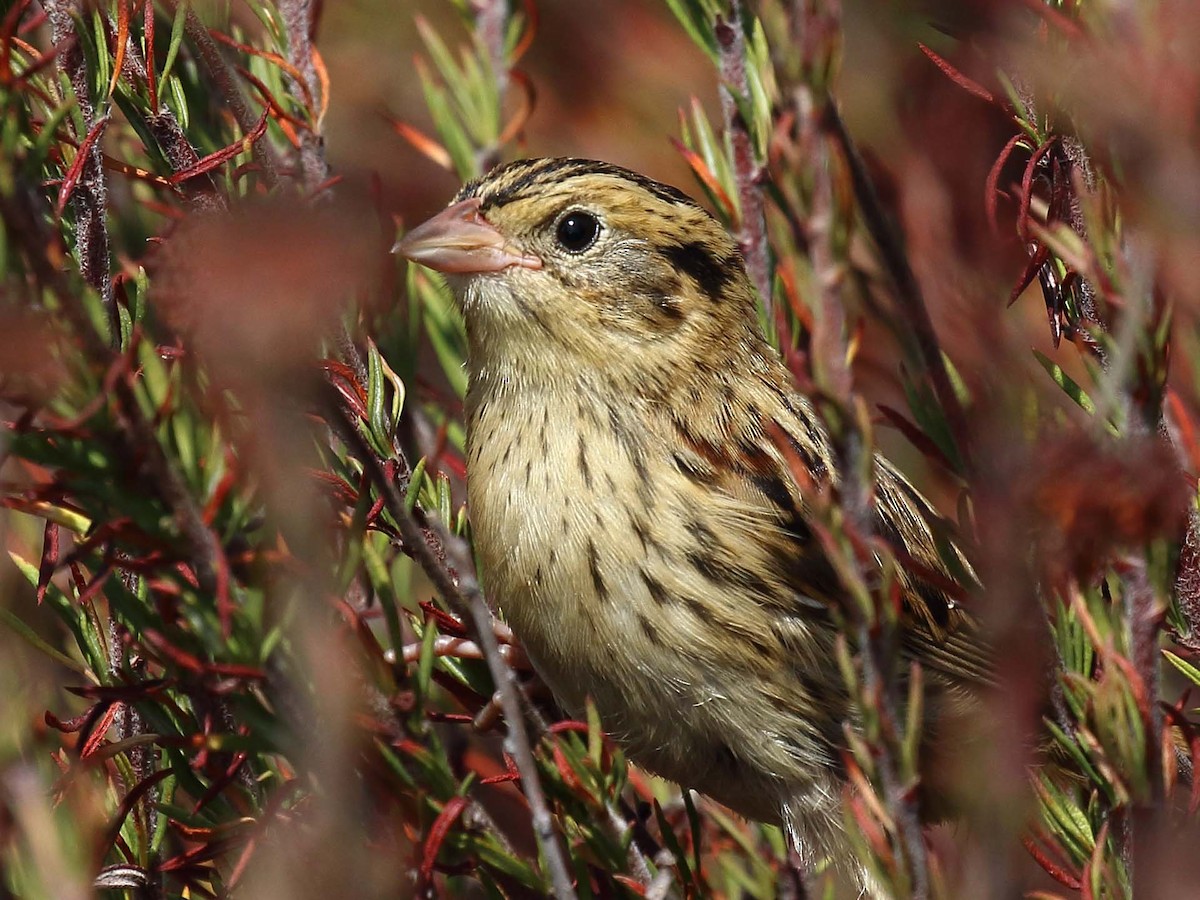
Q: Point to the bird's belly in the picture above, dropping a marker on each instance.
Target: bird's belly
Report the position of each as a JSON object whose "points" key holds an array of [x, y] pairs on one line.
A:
{"points": [[674, 713]]}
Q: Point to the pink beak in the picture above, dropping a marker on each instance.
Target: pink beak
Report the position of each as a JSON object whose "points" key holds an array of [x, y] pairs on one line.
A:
{"points": [[460, 241]]}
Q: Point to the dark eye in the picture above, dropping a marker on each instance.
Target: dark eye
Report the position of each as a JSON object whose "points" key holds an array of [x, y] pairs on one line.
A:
{"points": [[577, 231]]}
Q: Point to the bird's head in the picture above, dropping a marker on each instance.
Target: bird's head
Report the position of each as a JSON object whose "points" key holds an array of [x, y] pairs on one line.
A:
{"points": [[571, 261]]}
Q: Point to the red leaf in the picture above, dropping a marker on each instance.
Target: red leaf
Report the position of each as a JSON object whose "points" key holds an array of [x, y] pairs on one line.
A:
{"points": [[446, 623], [66, 726], [570, 779], [582, 728], [49, 559], [237, 670], [122, 38], [705, 174], [346, 383], [289, 123], [1027, 186], [43, 61], [1053, 869], [222, 489], [7, 29], [437, 834], [219, 157], [528, 33], [1030, 272], [1186, 427], [991, 188], [275, 58], [81, 156], [96, 738], [423, 143], [221, 782], [636, 887], [182, 658], [510, 773], [93, 587], [127, 803], [915, 435], [967, 84]]}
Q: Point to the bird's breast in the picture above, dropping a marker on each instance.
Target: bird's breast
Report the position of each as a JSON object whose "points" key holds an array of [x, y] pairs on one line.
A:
{"points": [[585, 535], [552, 494]]}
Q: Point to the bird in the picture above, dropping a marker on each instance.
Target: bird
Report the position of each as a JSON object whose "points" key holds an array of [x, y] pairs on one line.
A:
{"points": [[632, 443]]}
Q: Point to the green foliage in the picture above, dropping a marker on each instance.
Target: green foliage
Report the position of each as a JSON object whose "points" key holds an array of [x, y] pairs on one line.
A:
{"points": [[223, 619]]}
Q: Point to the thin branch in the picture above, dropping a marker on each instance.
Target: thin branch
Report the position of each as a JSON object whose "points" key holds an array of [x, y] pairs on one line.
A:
{"points": [[1144, 617], [616, 826], [1073, 148], [466, 599], [137, 442], [791, 884], [875, 639], [747, 168], [90, 196], [1070, 148], [491, 28], [299, 19], [1187, 582], [873, 629], [225, 78]]}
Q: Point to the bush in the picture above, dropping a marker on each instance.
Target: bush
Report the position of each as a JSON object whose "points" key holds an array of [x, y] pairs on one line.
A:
{"points": [[246, 651]]}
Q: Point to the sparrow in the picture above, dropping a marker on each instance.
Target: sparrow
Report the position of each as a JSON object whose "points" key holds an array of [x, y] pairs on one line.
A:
{"points": [[632, 439]]}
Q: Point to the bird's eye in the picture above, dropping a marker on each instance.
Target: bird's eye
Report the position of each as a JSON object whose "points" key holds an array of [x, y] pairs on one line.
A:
{"points": [[577, 231]]}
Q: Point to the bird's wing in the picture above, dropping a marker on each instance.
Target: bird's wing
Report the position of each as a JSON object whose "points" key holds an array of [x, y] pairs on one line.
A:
{"points": [[937, 629]]}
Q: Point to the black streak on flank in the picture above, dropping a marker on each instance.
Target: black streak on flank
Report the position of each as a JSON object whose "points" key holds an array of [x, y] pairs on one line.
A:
{"points": [[632, 447], [594, 568], [649, 630], [642, 530], [583, 464], [694, 471], [657, 592], [774, 489], [807, 452], [697, 262], [704, 535], [730, 576], [699, 610]]}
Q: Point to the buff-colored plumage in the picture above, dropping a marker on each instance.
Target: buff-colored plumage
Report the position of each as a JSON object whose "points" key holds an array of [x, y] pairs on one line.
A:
{"points": [[631, 437]]}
